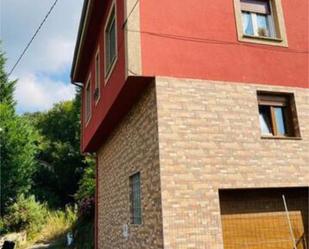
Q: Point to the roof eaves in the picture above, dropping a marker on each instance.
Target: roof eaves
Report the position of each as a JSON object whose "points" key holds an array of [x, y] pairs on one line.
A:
{"points": [[80, 37]]}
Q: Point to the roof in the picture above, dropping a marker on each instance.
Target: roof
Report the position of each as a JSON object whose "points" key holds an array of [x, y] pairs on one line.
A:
{"points": [[80, 36]]}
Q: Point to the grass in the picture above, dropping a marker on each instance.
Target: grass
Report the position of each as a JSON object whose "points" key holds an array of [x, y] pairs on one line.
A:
{"points": [[58, 223]]}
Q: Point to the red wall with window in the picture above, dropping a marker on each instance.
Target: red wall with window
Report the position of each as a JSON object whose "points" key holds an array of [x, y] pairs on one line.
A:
{"points": [[110, 89], [198, 39]]}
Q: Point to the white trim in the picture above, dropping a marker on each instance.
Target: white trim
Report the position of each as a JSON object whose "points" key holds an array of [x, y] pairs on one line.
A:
{"points": [[108, 73], [97, 75], [86, 117]]}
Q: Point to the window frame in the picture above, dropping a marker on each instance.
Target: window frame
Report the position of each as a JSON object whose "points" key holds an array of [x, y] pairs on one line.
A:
{"points": [[87, 117], [132, 211], [108, 69], [277, 23], [97, 84], [283, 100]]}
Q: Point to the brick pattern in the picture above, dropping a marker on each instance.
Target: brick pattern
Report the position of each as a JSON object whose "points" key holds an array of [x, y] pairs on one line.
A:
{"points": [[190, 138], [132, 147], [209, 139]]}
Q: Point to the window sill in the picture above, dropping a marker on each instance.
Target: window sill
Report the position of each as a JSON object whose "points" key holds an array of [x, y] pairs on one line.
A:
{"points": [[265, 38], [281, 137], [97, 100]]}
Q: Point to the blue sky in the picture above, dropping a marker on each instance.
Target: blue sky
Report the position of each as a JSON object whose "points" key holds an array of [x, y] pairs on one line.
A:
{"points": [[44, 72]]}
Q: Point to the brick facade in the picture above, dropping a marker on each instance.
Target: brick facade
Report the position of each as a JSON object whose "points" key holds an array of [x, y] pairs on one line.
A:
{"points": [[133, 147], [210, 139], [190, 138]]}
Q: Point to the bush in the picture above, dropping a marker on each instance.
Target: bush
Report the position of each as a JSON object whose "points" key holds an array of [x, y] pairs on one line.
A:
{"points": [[86, 208], [2, 227], [25, 214]]}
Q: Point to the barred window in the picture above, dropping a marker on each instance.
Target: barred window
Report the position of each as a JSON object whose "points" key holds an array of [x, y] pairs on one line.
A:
{"points": [[136, 210]]}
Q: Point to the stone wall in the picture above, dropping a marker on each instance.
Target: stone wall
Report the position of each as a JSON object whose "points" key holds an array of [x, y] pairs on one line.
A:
{"points": [[132, 147], [209, 139]]}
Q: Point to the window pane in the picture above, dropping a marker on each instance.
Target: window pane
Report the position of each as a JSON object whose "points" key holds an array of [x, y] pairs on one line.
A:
{"points": [[247, 23], [88, 103], [265, 120], [97, 71], [136, 199], [280, 120], [112, 41], [263, 25]]}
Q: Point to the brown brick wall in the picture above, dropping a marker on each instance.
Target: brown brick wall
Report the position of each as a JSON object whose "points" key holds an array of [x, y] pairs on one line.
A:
{"points": [[209, 138], [190, 138], [132, 147]]}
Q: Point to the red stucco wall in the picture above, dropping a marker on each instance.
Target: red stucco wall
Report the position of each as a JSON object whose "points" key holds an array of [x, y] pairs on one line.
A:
{"points": [[198, 39], [111, 88]]}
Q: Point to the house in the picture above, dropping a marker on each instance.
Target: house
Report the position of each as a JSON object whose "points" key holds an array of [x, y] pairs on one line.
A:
{"points": [[198, 112]]}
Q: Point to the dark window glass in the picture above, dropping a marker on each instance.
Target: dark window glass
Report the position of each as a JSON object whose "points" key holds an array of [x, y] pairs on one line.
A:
{"points": [[265, 120], [110, 41], [136, 210]]}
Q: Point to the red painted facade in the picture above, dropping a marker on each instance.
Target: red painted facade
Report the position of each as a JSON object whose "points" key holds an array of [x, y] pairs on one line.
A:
{"points": [[198, 39], [186, 39], [110, 89]]}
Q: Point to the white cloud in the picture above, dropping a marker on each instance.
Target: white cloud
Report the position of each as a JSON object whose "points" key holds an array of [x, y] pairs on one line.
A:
{"points": [[50, 54], [40, 93]]}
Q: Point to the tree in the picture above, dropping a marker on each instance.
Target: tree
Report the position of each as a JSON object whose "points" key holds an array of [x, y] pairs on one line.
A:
{"points": [[17, 155], [7, 87], [17, 145], [60, 163]]}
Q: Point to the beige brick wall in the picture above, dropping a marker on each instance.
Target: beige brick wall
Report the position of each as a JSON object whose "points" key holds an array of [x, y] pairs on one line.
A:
{"points": [[209, 138], [132, 147], [190, 138]]}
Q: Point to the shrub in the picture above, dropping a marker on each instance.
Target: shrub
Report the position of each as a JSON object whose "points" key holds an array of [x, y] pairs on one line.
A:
{"points": [[2, 227], [86, 208], [25, 214]]}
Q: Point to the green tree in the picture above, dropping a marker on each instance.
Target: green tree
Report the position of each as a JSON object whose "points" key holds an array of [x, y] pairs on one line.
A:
{"points": [[61, 163], [17, 155], [7, 87]]}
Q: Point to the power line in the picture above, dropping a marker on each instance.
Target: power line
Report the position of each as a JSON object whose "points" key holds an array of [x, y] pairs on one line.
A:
{"points": [[133, 8], [32, 38]]}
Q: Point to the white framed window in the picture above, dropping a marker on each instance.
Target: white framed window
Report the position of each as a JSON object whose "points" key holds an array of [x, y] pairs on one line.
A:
{"points": [[257, 18], [87, 106], [260, 21], [110, 41], [97, 90]]}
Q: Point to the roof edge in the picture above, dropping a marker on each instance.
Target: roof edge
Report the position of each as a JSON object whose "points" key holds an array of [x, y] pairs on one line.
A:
{"points": [[80, 37]]}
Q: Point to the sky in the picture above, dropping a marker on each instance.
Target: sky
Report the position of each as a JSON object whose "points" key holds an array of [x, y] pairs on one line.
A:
{"points": [[44, 72]]}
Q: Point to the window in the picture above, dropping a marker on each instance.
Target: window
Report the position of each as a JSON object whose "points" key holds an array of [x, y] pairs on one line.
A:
{"points": [[257, 18], [277, 115], [135, 199], [88, 101], [97, 77], [260, 21], [110, 41]]}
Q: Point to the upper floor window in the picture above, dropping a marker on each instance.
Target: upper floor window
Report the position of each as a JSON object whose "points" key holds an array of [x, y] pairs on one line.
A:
{"points": [[135, 198], [257, 18], [97, 77], [87, 105], [110, 41], [277, 114], [260, 21]]}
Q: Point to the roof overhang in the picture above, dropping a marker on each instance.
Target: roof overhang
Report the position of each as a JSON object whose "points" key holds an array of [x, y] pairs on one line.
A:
{"points": [[83, 26]]}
